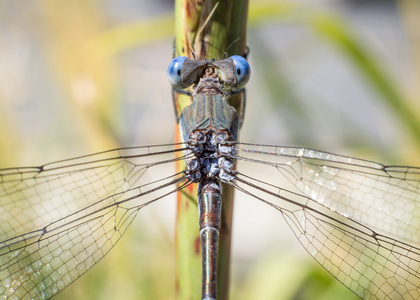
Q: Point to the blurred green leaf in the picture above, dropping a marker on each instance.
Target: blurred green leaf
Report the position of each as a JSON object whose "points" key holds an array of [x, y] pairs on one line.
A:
{"points": [[339, 34]]}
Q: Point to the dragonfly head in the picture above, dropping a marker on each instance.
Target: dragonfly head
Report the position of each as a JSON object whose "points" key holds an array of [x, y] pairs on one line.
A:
{"points": [[231, 73]]}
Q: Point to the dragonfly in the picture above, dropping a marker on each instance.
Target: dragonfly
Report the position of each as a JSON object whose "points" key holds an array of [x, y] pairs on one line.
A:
{"points": [[359, 219]]}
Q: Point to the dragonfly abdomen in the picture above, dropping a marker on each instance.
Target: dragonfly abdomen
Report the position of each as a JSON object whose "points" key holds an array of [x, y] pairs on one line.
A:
{"points": [[209, 209]]}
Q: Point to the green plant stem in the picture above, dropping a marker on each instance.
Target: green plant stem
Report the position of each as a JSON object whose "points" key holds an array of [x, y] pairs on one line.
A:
{"points": [[207, 28]]}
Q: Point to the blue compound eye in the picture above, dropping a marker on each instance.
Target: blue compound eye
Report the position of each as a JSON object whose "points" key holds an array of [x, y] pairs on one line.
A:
{"points": [[174, 71], [243, 71]]}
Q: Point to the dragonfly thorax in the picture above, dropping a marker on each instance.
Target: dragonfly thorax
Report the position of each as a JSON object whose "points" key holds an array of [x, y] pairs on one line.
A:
{"points": [[212, 155]]}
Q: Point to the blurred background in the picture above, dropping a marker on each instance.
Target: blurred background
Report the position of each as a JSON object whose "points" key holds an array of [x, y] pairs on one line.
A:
{"points": [[78, 77]]}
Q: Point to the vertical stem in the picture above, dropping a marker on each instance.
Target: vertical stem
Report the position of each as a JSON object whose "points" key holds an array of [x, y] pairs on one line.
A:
{"points": [[207, 28]]}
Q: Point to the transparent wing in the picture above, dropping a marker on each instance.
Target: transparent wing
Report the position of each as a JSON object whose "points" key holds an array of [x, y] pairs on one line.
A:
{"points": [[357, 218], [59, 219]]}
